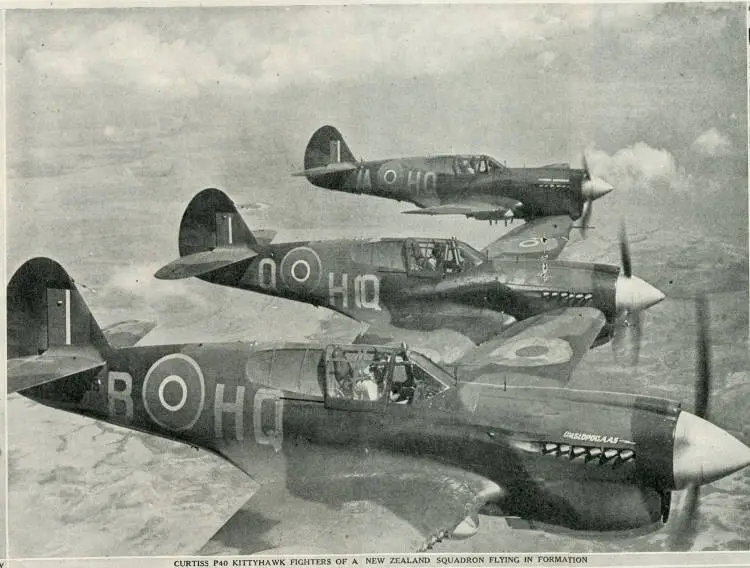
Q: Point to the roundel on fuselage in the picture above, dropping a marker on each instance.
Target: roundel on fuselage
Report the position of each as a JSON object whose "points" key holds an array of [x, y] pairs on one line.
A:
{"points": [[391, 175], [301, 269], [174, 392], [532, 352]]}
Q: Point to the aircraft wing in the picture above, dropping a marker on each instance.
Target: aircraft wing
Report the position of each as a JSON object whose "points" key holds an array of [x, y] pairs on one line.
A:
{"points": [[204, 262], [333, 168], [503, 209], [369, 502], [547, 347], [534, 239], [55, 363]]}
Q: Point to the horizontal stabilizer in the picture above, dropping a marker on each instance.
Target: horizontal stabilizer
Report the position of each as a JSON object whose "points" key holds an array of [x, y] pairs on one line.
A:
{"points": [[333, 168], [264, 236], [56, 363], [127, 333], [201, 263]]}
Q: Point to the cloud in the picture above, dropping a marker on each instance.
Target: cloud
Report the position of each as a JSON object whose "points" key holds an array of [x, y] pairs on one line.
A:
{"points": [[177, 54], [712, 143], [130, 55], [132, 292], [638, 167]]}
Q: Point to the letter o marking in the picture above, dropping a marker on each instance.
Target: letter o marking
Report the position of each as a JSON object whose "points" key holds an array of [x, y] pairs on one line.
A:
{"points": [[390, 177], [183, 387], [533, 352], [301, 269], [183, 370]]}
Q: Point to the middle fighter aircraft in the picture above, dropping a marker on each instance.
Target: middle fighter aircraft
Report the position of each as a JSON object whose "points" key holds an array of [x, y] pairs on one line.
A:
{"points": [[476, 186], [410, 283], [363, 448]]}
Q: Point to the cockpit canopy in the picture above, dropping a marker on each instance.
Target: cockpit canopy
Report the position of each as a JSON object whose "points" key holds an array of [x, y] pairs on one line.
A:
{"points": [[418, 256], [441, 256], [367, 376], [476, 165]]}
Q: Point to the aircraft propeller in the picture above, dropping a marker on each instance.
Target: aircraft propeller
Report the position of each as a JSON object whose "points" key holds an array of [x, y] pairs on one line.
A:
{"points": [[589, 204], [685, 526], [631, 297], [592, 188]]}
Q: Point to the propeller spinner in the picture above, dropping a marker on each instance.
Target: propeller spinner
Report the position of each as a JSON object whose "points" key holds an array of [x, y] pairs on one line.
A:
{"points": [[592, 188], [632, 296]]}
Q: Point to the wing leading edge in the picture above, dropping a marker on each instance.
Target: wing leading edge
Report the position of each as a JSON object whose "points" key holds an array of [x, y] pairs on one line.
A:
{"points": [[55, 363]]}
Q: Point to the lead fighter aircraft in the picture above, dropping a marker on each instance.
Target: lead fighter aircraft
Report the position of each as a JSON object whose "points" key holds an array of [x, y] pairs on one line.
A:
{"points": [[411, 283], [380, 437], [476, 186]]}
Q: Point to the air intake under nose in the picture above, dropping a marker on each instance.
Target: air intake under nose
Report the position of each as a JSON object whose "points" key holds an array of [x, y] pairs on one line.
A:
{"points": [[703, 452]]}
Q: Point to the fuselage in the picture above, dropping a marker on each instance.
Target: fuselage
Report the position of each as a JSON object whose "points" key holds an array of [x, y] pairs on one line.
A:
{"points": [[468, 180], [390, 281], [577, 459]]}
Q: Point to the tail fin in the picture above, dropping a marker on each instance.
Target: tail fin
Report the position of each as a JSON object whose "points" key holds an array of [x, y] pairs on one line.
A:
{"points": [[327, 146], [212, 235], [51, 332]]}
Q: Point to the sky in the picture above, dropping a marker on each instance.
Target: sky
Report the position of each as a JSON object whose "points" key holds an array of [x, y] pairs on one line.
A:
{"points": [[664, 85]]}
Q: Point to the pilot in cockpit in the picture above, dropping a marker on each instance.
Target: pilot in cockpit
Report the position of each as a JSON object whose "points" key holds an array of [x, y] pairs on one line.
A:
{"points": [[343, 372], [465, 166], [365, 384]]}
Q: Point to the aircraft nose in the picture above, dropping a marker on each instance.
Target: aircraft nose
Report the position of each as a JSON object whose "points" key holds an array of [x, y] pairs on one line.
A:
{"points": [[632, 293], [703, 452], [595, 188]]}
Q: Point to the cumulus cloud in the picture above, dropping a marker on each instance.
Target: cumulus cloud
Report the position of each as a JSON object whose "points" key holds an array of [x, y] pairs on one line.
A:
{"points": [[130, 55], [263, 49], [639, 166], [712, 143]]}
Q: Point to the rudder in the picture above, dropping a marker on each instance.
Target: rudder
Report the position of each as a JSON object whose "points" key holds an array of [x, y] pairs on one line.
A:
{"points": [[327, 146]]}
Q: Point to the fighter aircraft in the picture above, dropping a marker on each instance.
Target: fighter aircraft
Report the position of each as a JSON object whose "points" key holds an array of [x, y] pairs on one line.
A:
{"points": [[430, 447], [409, 283], [476, 186]]}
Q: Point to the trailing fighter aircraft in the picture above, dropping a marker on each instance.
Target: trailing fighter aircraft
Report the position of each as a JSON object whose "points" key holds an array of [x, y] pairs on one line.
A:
{"points": [[476, 186], [409, 283], [429, 447]]}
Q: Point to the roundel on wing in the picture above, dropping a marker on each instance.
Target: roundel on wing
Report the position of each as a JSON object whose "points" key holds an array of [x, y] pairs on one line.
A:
{"points": [[533, 351], [174, 392], [301, 269], [550, 243], [391, 174]]}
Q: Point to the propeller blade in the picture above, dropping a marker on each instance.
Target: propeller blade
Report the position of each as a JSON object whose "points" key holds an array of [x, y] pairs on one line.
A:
{"points": [[626, 338], [684, 528], [703, 363], [588, 208], [586, 171], [635, 330], [627, 268]]}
